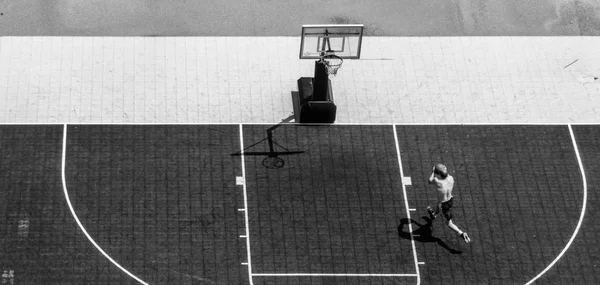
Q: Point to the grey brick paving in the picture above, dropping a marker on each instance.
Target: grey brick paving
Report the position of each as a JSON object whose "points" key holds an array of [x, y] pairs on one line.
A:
{"points": [[250, 80]]}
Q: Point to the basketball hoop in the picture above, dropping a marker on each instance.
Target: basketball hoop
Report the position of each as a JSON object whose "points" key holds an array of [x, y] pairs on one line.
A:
{"points": [[332, 63]]}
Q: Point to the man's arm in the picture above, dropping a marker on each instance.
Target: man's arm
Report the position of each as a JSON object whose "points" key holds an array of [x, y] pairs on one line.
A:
{"points": [[432, 177]]}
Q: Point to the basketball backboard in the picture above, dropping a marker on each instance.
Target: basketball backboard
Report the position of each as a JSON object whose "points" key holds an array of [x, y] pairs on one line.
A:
{"points": [[341, 40]]}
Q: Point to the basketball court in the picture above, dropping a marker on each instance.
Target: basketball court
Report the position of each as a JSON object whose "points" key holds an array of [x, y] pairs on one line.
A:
{"points": [[174, 204], [315, 197]]}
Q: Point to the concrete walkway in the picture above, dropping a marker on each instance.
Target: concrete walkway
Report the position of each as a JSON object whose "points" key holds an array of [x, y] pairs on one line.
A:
{"points": [[250, 79]]}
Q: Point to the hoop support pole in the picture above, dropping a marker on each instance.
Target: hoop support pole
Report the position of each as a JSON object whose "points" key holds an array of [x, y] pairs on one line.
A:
{"points": [[321, 82]]}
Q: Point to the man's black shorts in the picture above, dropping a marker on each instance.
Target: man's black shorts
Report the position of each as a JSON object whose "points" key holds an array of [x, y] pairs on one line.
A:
{"points": [[447, 208]]}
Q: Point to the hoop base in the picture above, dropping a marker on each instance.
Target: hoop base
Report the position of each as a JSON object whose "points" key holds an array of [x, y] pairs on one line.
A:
{"points": [[308, 110], [318, 112]]}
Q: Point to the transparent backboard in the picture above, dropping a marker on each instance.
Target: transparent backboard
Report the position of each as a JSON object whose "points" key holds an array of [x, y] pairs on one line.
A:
{"points": [[342, 40]]}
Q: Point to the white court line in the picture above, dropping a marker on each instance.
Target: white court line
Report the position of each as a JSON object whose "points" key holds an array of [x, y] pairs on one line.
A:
{"points": [[334, 274], [246, 206], [418, 124], [580, 217], [64, 183], [303, 124], [412, 240]]}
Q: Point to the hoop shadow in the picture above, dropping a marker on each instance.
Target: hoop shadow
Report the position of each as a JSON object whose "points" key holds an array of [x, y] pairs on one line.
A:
{"points": [[423, 233], [272, 161]]}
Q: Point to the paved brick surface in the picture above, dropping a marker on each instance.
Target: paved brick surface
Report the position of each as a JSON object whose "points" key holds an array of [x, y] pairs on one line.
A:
{"points": [[52, 250], [249, 80]]}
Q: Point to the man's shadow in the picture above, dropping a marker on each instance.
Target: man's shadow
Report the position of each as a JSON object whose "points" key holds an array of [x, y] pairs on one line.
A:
{"points": [[423, 233]]}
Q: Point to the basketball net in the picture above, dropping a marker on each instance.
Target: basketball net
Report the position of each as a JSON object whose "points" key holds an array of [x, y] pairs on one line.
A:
{"points": [[332, 63]]}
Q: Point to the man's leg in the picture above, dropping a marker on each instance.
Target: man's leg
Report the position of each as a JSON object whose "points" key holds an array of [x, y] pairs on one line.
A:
{"points": [[447, 211], [462, 234]]}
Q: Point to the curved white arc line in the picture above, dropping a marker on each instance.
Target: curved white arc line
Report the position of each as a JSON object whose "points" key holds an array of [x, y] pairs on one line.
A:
{"points": [[580, 217], [64, 183]]}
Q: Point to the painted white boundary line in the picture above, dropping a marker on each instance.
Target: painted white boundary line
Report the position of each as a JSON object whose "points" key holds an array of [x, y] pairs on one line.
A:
{"points": [[306, 124], [334, 274], [580, 217], [412, 240], [64, 183], [249, 262]]}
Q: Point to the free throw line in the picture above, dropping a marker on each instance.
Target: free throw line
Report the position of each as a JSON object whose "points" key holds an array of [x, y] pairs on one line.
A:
{"points": [[334, 274]]}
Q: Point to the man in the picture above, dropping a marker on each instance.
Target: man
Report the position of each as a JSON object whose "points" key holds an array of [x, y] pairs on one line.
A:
{"points": [[445, 183]]}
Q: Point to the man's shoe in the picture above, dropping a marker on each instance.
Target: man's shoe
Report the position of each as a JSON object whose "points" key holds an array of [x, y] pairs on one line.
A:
{"points": [[431, 213]]}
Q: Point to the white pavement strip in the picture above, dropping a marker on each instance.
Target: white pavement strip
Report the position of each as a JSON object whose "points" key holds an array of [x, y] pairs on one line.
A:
{"points": [[214, 80], [64, 182]]}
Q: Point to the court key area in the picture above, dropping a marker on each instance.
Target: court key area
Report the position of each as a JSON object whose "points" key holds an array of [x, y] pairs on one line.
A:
{"points": [[296, 204]]}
